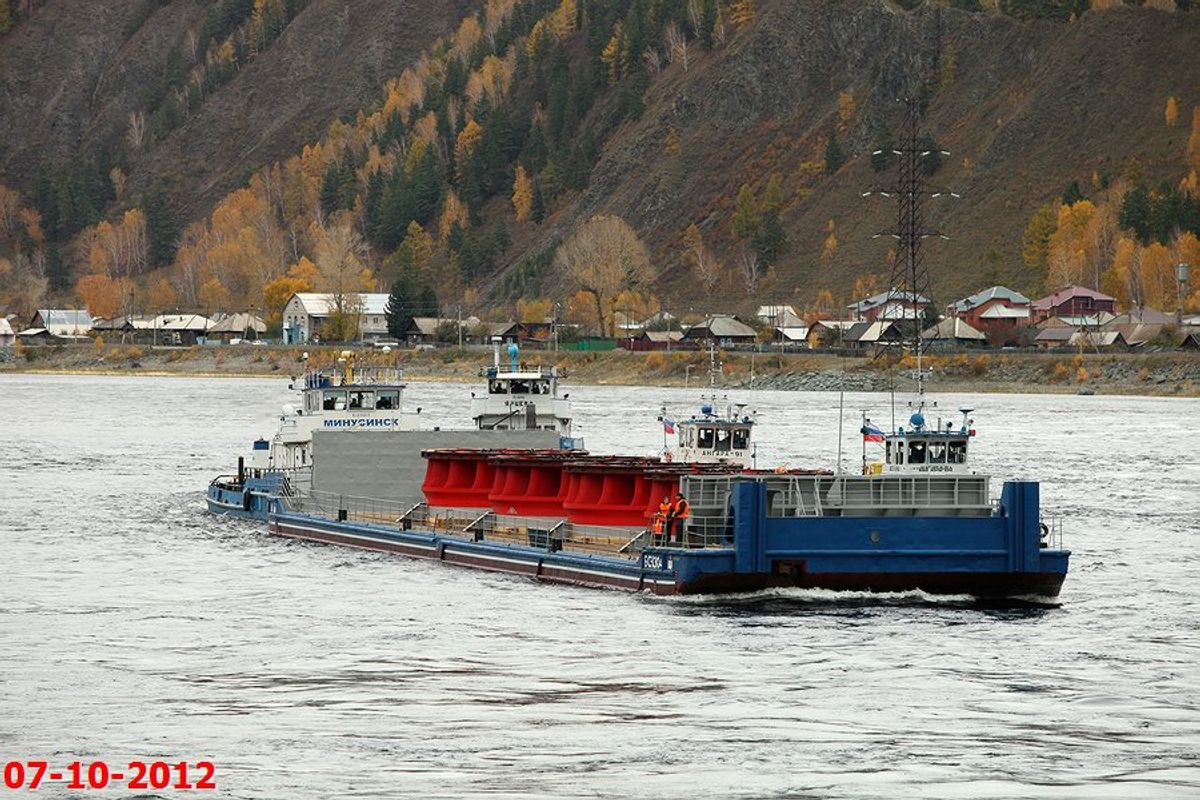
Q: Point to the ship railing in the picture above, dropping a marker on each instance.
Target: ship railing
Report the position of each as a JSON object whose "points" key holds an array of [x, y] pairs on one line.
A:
{"points": [[1051, 529], [846, 495]]}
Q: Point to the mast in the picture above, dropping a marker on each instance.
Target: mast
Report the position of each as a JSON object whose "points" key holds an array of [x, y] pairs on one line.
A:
{"points": [[910, 278]]}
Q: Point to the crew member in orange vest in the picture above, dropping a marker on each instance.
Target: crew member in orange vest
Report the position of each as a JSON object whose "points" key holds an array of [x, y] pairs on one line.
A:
{"points": [[660, 521], [680, 511]]}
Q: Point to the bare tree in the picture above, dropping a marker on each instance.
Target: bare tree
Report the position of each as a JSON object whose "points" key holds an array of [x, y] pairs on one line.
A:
{"points": [[694, 14], [704, 264], [137, 128], [750, 267], [677, 46], [652, 60], [603, 258]]}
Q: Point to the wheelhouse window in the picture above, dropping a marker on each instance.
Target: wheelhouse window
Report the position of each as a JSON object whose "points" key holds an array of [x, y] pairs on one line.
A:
{"points": [[957, 451], [916, 452], [387, 398], [706, 439], [937, 452], [723, 437], [497, 387], [333, 400], [741, 438], [362, 399]]}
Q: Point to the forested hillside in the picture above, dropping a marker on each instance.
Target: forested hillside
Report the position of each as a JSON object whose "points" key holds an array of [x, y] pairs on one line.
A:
{"points": [[611, 155]]}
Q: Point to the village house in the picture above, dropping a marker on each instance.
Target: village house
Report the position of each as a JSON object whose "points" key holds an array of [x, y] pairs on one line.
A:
{"points": [[829, 332], [1077, 304], [656, 340], [721, 330], [890, 305], [244, 326], [996, 312], [878, 333], [306, 313], [952, 333], [58, 324], [779, 316], [7, 337]]}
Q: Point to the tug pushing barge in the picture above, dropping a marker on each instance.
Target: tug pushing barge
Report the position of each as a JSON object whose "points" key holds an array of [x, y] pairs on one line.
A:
{"points": [[919, 520]]}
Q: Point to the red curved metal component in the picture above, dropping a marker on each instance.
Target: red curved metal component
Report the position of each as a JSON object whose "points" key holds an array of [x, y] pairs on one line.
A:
{"points": [[620, 491]]}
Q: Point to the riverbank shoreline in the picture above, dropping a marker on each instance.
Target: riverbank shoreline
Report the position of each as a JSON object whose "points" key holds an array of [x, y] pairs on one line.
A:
{"points": [[1170, 374]]}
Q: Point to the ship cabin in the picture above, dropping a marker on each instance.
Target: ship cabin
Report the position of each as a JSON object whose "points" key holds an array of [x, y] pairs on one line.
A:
{"points": [[921, 449], [714, 438], [519, 397], [343, 398]]}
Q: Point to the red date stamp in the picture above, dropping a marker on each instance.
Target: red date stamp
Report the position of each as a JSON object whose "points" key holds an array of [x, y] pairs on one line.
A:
{"points": [[99, 775]]}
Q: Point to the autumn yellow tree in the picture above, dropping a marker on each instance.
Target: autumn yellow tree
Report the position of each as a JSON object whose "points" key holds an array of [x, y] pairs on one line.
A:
{"points": [[1122, 278], [829, 248], [741, 12], [534, 309], [522, 196], [1157, 276], [604, 257], [214, 297], [1193, 143], [160, 295], [1066, 250], [464, 147], [1171, 111], [453, 210], [302, 277]]}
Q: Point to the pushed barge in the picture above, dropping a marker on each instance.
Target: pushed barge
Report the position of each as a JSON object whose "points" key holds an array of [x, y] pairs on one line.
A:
{"points": [[919, 520]]}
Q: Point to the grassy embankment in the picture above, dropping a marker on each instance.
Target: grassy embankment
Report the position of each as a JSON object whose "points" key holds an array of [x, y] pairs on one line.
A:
{"points": [[1176, 374]]}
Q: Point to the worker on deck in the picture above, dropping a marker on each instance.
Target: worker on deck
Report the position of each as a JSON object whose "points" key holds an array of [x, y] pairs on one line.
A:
{"points": [[680, 511], [661, 520]]}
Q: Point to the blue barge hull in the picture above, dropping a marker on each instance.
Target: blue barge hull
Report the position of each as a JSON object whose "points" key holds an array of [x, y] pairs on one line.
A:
{"points": [[996, 556]]}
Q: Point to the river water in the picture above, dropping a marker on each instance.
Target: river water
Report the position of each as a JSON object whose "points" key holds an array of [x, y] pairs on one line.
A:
{"points": [[135, 626]]}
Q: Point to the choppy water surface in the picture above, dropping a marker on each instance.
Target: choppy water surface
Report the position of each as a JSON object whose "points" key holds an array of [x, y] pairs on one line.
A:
{"points": [[134, 625]]}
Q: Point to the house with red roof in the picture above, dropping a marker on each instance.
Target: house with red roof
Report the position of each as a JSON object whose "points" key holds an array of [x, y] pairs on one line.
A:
{"points": [[1074, 301], [996, 312]]}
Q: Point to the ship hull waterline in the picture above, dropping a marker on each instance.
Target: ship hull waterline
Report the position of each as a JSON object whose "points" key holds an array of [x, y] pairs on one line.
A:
{"points": [[605, 573]]}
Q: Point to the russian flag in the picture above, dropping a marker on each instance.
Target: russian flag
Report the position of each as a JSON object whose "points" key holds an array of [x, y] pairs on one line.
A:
{"points": [[668, 425], [871, 433]]}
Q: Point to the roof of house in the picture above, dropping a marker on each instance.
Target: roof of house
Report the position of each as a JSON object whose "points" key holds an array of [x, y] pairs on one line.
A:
{"points": [[181, 322], [1135, 333], [793, 333], [64, 316], [662, 336], [1097, 339], [892, 295], [1144, 315], [723, 326], [119, 321], [1005, 312], [1066, 293], [993, 293], [5, 327], [1088, 320], [1056, 333], [321, 305], [64, 321], [953, 328], [237, 323], [869, 332], [779, 315], [835, 324]]}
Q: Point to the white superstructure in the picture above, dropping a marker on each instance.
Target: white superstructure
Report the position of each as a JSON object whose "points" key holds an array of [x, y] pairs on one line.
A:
{"points": [[722, 433], [521, 397], [344, 398]]}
